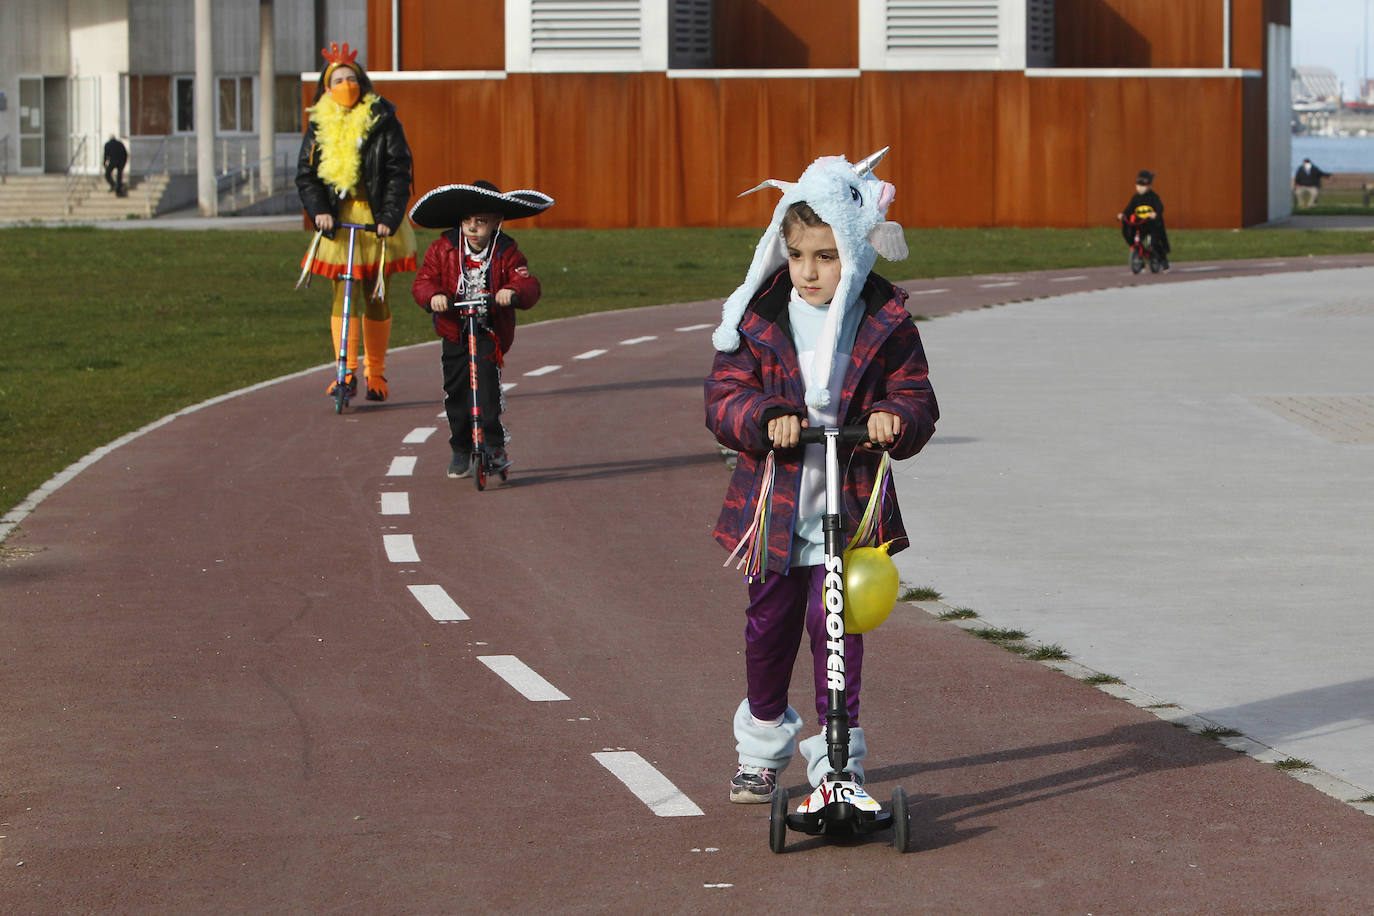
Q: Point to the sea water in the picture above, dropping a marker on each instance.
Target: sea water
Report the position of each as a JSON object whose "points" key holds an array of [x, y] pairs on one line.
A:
{"points": [[1335, 154]]}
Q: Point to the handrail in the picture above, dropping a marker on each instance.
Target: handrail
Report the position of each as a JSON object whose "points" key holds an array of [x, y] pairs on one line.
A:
{"points": [[148, 173], [249, 173], [70, 184]]}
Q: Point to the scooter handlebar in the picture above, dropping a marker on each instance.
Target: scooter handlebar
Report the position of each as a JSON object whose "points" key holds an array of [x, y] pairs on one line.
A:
{"points": [[365, 227], [849, 435]]}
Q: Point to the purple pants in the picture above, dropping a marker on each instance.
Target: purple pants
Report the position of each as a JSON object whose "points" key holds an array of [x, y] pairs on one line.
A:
{"points": [[772, 635]]}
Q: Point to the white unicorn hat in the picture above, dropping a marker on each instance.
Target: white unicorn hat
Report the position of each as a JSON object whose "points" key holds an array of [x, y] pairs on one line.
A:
{"points": [[853, 202]]}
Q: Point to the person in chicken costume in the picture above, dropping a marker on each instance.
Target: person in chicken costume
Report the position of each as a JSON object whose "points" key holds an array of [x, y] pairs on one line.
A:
{"points": [[355, 167], [812, 337]]}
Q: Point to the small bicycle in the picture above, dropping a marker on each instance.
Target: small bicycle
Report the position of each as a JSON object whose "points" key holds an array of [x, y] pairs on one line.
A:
{"points": [[474, 314], [1142, 242]]}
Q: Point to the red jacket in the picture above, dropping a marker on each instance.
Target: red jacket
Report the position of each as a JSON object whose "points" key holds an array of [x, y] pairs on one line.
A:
{"points": [[762, 379], [443, 269]]}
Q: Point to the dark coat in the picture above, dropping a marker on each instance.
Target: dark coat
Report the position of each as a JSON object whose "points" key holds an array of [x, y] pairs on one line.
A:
{"points": [[762, 379], [386, 173], [1309, 178], [442, 270], [116, 154]]}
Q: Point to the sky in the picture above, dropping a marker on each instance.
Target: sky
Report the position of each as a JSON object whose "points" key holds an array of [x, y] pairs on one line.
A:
{"points": [[1331, 33]]}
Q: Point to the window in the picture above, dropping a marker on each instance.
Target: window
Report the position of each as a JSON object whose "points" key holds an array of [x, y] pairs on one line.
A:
{"points": [[185, 105], [150, 106], [289, 108], [235, 104]]}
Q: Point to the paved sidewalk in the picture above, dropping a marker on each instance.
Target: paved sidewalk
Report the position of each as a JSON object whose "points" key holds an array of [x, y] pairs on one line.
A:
{"points": [[1172, 482]]}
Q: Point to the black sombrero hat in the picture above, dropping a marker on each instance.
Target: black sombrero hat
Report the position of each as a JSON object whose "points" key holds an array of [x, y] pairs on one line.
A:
{"points": [[445, 207]]}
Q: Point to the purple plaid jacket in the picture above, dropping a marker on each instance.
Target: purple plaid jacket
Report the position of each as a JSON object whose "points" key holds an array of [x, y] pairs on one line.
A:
{"points": [[761, 380]]}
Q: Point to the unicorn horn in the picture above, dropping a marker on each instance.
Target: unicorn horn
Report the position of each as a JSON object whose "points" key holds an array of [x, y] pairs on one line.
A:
{"points": [[866, 166]]}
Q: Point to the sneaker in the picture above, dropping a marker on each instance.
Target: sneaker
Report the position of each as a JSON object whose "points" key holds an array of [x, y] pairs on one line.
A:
{"points": [[500, 460], [350, 381], [376, 388], [460, 466], [753, 785]]}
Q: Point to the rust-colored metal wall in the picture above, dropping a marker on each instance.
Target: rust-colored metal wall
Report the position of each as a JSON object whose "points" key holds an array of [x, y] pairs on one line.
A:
{"points": [[969, 149], [1138, 33], [439, 35], [787, 33]]}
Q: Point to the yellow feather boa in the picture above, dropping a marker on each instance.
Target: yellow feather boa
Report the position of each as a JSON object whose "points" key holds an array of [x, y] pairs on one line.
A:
{"points": [[339, 133]]}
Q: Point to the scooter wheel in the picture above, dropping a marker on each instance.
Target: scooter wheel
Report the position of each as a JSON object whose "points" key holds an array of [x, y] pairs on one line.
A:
{"points": [[1137, 263], [901, 821], [777, 821], [479, 471], [339, 399]]}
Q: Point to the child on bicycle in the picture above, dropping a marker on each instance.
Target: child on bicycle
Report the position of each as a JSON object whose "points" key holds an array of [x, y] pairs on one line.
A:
{"points": [[475, 258], [819, 340], [1145, 196]]}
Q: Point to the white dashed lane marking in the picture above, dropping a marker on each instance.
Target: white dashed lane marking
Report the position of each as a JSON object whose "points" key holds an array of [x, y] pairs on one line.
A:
{"points": [[542, 370], [522, 677], [638, 340], [401, 466], [395, 503], [1068, 279], [995, 285], [927, 292], [400, 548], [590, 354], [419, 434], [437, 603], [694, 327], [648, 784], [1195, 270]]}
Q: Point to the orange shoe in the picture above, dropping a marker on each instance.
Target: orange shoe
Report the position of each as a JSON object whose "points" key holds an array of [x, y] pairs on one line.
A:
{"points": [[350, 382]]}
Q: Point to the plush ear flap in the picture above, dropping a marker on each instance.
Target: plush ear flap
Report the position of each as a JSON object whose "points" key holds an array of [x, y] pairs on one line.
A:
{"points": [[888, 240]]}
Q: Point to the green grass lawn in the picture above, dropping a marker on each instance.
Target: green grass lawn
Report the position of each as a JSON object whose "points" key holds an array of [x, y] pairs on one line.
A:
{"points": [[104, 331]]}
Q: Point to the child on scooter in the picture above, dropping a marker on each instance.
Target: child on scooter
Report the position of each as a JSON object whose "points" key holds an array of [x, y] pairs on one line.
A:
{"points": [[1145, 196], [474, 258], [819, 340]]}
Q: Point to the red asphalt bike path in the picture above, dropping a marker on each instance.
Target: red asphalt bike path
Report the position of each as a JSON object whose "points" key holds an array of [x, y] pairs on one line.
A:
{"points": [[220, 693]]}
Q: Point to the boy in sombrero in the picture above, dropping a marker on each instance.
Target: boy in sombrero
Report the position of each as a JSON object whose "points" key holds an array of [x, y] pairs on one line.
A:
{"points": [[472, 258]]}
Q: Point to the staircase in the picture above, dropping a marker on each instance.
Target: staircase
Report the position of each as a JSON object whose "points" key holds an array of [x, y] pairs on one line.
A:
{"points": [[25, 198]]}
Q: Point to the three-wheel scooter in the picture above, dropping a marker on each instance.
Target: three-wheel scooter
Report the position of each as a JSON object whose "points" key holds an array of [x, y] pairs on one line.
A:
{"points": [[838, 807], [474, 314]]}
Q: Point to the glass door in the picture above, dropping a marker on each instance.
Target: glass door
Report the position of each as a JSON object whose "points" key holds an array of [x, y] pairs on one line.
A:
{"points": [[30, 123]]}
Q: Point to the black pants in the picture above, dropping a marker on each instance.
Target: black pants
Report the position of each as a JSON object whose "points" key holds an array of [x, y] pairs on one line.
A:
{"points": [[114, 175], [458, 393]]}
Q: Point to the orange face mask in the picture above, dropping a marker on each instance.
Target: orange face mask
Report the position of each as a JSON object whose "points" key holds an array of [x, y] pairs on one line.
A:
{"points": [[345, 93]]}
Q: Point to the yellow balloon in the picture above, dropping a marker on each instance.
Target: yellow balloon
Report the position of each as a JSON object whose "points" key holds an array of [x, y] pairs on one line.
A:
{"points": [[870, 587]]}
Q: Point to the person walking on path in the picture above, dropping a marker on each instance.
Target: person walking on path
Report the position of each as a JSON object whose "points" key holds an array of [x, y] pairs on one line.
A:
{"points": [[355, 167]]}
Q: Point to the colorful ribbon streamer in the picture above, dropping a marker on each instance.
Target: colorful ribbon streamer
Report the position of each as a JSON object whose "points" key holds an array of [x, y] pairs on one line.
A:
{"points": [[304, 278], [753, 544], [867, 533]]}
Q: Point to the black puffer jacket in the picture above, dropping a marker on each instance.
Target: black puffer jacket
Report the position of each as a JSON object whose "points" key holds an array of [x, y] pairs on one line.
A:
{"points": [[386, 171]]}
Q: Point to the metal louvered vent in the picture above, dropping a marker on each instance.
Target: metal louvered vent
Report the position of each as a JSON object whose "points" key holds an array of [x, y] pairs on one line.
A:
{"points": [[1040, 33], [690, 39], [584, 26], [957, 25]]}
